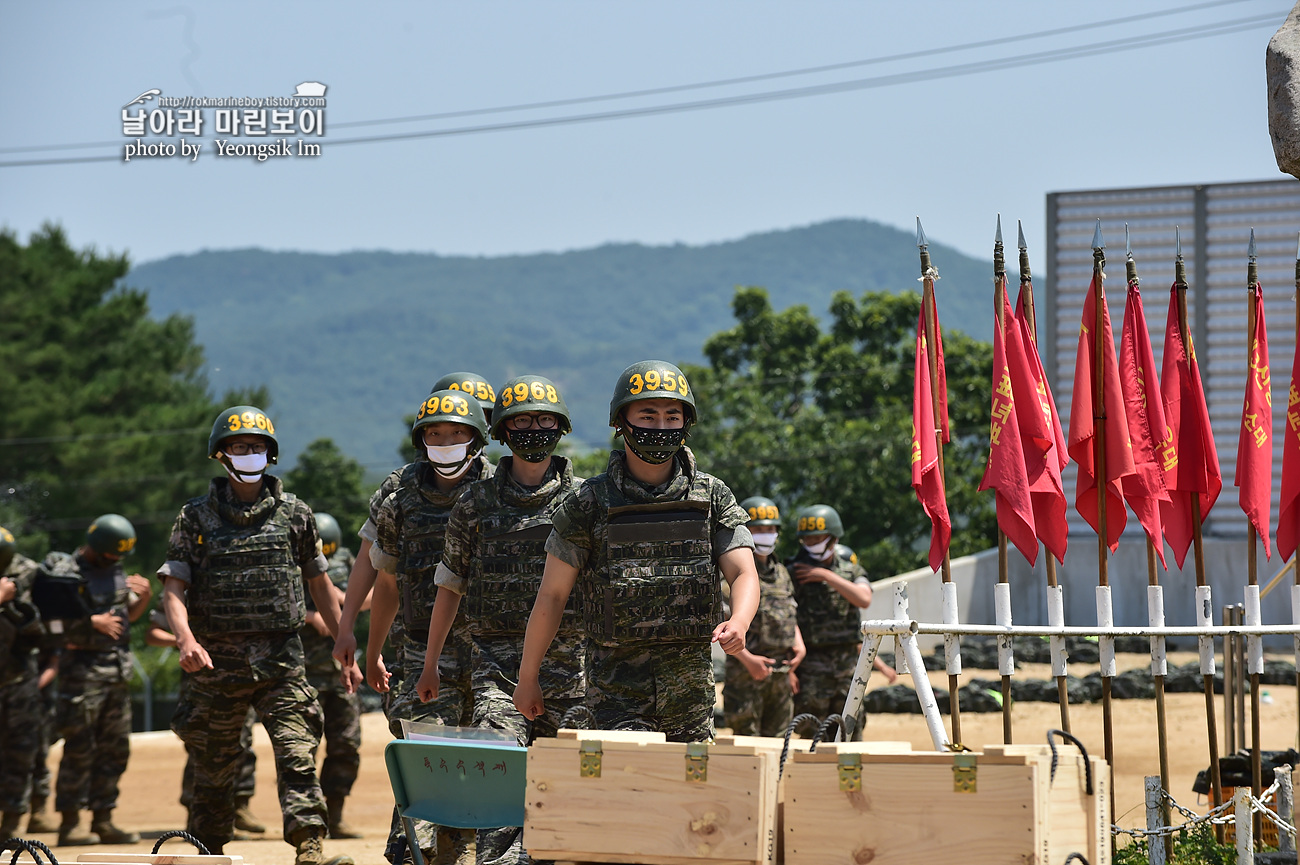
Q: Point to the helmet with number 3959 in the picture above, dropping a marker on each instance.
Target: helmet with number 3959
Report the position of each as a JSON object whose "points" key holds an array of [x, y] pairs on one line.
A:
{"points": [[449, 406], [470, 384], [652, 379], [243, 420]]}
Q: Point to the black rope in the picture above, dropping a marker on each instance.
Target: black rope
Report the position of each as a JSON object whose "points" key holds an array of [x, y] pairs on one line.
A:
{"points": [[19, 846], [580, 714], [1074, 856], [183, 835], [834, 718], [40, 845], [789, 730], [1087, 764]]}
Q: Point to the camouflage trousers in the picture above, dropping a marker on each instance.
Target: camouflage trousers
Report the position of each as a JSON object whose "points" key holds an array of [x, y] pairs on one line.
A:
{"points": [[753, 708], [20, 730], [245, 780], [495, 664], [451, 708], [47, 717], [94, 719], [824, 679], [666, 687], [342, 710], [210, 722]]}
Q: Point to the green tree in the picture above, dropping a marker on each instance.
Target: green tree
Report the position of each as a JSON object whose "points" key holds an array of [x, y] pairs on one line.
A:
{"points": [[331, 482], [804, 416]]}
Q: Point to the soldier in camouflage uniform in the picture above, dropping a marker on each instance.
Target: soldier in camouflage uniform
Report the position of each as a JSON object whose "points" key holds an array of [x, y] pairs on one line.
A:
{"points": [[493, 558], [412, 521], [234, 595], [643, 543], [44, 716], [342, 708], [20, 702], [757, 700], [829, 591], [94, 679]]}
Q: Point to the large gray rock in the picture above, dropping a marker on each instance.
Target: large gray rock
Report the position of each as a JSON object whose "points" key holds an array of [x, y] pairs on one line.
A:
{"points": [[1283, 66]]}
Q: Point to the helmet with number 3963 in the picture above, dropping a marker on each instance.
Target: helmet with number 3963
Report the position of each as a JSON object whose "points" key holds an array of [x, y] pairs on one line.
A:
{"points": [[449, 406], [652, 379], [242, 420], [470, 384]]}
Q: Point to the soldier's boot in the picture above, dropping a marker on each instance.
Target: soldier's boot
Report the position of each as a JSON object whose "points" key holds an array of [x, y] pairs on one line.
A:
{"points": [[310, 851], [71, 834], [39, 821], [245, 821], [214, 848], [103, 826], [9, 823], [338, 828]]}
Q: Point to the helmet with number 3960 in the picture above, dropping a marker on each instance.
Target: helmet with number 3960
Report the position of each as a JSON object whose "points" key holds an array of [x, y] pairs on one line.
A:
{"points": [[243, 420], [652, 379], [449, 406]]}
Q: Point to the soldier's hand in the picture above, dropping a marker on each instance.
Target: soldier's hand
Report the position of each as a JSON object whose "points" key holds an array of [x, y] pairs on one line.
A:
{"points": [[351, 678], [794, 682], [890, 674], [345, 648], [377, 674], [759, 666], [193, 656], [109, 624], [140, 585], [317, 622], [528, 699], [729, 637], [429, 683], [806, 573], [8, 591]]}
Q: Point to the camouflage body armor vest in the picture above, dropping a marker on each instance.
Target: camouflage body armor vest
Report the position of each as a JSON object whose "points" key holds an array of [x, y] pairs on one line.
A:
{"points": [[659, 583], [826, 618], [423, 531], [246, 581], [772, 631], [108, 597]]}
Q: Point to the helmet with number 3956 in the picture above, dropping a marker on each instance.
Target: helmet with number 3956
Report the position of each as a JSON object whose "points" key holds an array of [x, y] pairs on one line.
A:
{"points": [[449, 406], [652, 379], [243, 420]]}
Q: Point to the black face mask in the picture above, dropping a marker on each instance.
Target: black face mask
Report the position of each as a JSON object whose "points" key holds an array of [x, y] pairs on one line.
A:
{"points": [[533, 445], [655, 446]]}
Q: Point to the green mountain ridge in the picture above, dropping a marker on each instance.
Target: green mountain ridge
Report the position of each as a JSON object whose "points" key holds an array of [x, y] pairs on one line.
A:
{"points": [[348, 343]]}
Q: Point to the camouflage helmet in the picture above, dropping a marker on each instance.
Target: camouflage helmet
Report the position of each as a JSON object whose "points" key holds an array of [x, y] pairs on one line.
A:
{"points": [[449, 406], [762, 511], [330, 533], [819, 520], [528, 393], [470, 384], [243, 420], [7, 548], [846, 554], [112, 535], [651, 379]]}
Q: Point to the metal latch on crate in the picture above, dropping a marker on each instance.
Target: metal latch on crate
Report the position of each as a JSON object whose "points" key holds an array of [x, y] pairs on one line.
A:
{"points": [[850, 772], [590, 752], [963, 772], [697, 762]]}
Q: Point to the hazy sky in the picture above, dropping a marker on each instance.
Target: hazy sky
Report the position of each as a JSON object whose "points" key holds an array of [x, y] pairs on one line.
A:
{"points": [[955, 150]]}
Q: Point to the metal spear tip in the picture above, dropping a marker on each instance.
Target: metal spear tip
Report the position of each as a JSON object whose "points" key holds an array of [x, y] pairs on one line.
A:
{"points": [[1020, 230], [1250, 250], [1128, 244], [1297, 246], [997, 238], [921, 242], [1178, 244], [1097, 242]]}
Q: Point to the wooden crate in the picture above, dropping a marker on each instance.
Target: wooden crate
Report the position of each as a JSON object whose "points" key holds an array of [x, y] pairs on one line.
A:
{"points": [[642, 807], [906, 808]]}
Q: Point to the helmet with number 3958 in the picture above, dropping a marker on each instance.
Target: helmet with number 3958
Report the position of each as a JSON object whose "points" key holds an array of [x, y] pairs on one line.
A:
{"points": [[652, 379], [449, 406], [470, 384], [243, 420]]}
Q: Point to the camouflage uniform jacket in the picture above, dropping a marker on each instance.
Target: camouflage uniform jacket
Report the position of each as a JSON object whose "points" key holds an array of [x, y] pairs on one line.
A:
{"points": [[771, 634], [826, 618], [273, 654], [89, 655], [20, 661], [581, 536], [505, 600], [317, 647]]}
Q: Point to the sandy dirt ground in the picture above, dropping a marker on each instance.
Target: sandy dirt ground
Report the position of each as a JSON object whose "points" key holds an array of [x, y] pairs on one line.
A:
{"points": [[151, 785]]}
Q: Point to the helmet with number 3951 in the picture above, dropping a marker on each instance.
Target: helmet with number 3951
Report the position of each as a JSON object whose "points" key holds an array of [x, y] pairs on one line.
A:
{"points": [[243, 420], [652, 379]]}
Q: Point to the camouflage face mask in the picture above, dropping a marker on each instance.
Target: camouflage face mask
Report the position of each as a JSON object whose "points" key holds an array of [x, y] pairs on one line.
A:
{"points": [[655, 446], [533, 445]]}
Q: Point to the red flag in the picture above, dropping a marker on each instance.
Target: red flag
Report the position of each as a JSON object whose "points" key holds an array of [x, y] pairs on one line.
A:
{"points": [[940, 371], [926, 478], [1255, 445], [1005, 471], [1041, 438], [1083, 424], [1288, 517], [1187, 454]]}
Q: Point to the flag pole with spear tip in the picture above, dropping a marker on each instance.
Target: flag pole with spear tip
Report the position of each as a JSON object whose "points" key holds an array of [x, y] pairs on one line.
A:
{"points": [[1055, 593], [952, 645], [1002, 597], [1204, 603], [1155, 599], [1252, 564], [1105, 614]]}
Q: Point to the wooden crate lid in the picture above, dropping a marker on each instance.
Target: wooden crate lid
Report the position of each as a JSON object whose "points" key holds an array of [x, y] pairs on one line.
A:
{"points": [[638, 736], [610, 746], [774, 744], [892, 752]]}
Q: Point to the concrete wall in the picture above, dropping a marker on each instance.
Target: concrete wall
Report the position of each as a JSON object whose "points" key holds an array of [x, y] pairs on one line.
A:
{"points": [[975, 576]]}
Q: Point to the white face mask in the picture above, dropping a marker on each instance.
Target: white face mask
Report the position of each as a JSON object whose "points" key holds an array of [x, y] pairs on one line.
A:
{"points": [[449, 461], [817, 550], [247, 468], [764, 542]]}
